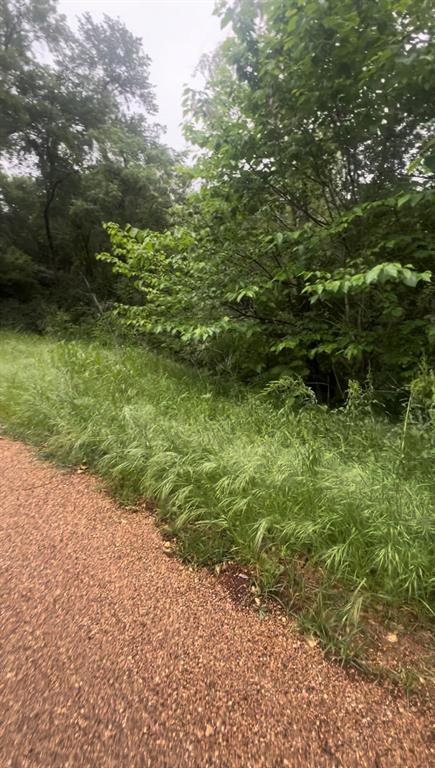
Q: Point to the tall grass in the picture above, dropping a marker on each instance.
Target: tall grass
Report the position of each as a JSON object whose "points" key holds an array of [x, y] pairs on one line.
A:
{"points": [[333, 509]]}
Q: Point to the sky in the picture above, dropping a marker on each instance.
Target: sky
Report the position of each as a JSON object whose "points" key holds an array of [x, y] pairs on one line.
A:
{"points": [[175, 34]]}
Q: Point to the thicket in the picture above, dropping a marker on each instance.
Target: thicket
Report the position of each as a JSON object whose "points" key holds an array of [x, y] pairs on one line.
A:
{"points": [[307, 247], [331, 511]]}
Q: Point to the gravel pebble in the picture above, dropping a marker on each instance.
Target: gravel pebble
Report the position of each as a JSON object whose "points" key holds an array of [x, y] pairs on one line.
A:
{"points": [[114, 654]]}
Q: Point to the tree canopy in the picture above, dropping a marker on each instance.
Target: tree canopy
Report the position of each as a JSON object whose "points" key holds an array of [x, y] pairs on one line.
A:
{"points": [[75, 124], [308, 249]]}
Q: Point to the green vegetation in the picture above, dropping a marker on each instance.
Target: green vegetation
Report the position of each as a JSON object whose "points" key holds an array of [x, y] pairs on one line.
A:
{"points": [[332, 511], [301, 240], [295, 256], [309, 247], [73, 154]]}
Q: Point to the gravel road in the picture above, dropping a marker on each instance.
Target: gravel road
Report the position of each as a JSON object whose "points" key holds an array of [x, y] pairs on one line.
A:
{"points": [[115, 655]]}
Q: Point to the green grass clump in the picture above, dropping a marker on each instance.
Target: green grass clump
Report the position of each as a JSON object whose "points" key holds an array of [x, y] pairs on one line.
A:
{"points": [[331, 508]]}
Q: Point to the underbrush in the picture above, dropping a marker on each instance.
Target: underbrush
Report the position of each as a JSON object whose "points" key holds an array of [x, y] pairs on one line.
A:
{"points": [[331, 512]]}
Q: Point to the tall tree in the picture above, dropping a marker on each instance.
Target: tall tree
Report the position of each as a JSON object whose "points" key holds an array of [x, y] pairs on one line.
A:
{"points": [[75, 115], [23, 27]]}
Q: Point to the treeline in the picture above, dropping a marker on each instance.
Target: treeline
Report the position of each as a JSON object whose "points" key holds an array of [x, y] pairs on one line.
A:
{"points": [[78, 147], [305, 247]]}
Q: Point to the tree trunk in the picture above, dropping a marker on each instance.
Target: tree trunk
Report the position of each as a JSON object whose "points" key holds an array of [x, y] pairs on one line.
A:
{"points": [[49, 199]]}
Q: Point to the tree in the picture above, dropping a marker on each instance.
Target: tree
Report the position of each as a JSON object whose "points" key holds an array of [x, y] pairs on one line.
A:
{"points": [[77, 120], [311, 238], [23, 26]]}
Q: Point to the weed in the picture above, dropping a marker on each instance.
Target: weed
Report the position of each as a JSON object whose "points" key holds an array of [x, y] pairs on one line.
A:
{"points": [[306, 498]]}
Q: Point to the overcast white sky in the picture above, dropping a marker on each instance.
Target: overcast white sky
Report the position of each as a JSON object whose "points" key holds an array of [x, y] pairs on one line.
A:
{"points": [[175, 34]]}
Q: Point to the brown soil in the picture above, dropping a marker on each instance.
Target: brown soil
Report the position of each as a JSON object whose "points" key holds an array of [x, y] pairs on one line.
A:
{"points": [[115, 654]]}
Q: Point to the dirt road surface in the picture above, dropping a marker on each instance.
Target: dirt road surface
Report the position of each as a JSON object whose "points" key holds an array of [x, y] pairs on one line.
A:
{"points": [[115, 655]]}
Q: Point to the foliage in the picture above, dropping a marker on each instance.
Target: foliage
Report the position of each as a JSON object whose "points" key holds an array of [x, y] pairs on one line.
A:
{"points": [[318, 503], [75, 151], [308, 247]]}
